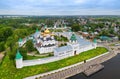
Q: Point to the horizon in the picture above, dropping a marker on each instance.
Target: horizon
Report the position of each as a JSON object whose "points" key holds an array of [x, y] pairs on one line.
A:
{"points": [[53, 15]]}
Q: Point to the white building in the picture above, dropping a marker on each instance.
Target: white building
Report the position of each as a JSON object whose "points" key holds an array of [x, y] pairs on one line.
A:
{"points": [[45, 42], [74, 47]]}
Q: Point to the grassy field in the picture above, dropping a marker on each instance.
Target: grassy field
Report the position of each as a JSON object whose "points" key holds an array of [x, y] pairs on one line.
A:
{"points": [[37, 57], [8, 70]]}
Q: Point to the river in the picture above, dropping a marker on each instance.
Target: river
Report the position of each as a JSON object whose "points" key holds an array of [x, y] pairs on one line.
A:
{"points": [[110, 71]]}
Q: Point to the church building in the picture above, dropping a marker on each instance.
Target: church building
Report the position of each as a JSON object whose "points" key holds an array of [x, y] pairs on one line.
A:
{"points": [[45, 42]]}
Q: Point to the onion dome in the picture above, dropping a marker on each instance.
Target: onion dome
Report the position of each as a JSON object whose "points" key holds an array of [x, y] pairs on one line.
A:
{"points": [[37, 30], [73, 37], [18, 55], [46, 31], [20, 40]]}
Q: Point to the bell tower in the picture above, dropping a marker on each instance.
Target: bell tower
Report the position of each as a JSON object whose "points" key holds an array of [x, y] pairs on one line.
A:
{"points": [[19, 60], [73, 39], [74, 44]]}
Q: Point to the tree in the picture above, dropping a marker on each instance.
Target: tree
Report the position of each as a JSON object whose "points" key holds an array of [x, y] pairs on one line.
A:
{"points": [[75, 27], [111, 30], [10, 43], [119, 37], [21, 32], [23, 52], [5, 32], [30, 46], [104, 33], [12, 53], [2, 47]]}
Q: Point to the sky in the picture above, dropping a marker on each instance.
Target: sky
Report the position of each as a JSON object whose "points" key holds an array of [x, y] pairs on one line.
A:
{"points": [[59, 7]]}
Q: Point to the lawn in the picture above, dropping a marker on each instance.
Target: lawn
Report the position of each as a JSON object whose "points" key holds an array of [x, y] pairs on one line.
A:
{"points": [[37, 57], [112, 44], [8, 70]]}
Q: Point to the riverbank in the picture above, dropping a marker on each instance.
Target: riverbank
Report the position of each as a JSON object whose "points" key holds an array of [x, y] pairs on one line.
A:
{"points": [[111, 70], [74, 69]]}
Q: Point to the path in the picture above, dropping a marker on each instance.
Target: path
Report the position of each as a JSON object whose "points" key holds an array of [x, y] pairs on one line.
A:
{"points": [[1, 56]]}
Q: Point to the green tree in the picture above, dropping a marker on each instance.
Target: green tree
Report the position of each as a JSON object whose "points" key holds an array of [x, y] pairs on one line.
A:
{"points": [[2, 47], [10, 43], [30, 46], [13, 52], [75, 27], [104, 33], [111, 30], [5, 32], [23, 52]]}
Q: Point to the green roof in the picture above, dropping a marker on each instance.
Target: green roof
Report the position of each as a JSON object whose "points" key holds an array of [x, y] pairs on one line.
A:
{"points": [[18, 55], [73, 37], [20, 39], [37, 30], [104, 37], [95, 41]]}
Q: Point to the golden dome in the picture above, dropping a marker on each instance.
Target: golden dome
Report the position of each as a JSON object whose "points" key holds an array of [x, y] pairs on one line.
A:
{"points": [[46, 31]]}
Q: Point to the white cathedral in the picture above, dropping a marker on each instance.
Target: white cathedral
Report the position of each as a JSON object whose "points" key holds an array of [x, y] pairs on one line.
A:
{"points": [[44, 41]]}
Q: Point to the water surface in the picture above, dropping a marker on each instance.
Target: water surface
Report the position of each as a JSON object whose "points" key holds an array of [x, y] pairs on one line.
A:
{"points": [[110, 71]]}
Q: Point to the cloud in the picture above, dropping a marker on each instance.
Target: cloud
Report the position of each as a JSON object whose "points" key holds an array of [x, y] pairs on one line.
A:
{"points": [[63, 12], [80, 1], [64, 7]]}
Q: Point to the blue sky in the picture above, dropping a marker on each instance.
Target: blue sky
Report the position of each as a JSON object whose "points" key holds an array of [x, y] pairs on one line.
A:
{"points": [[60, 7]]}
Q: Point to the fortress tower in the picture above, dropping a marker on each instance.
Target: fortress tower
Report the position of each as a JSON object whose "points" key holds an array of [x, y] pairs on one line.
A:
{"points": [[19, 60], [74, 44]]}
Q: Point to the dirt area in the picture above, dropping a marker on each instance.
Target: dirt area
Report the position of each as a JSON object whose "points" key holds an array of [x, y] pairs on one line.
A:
{"points": [[1, 56]]}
